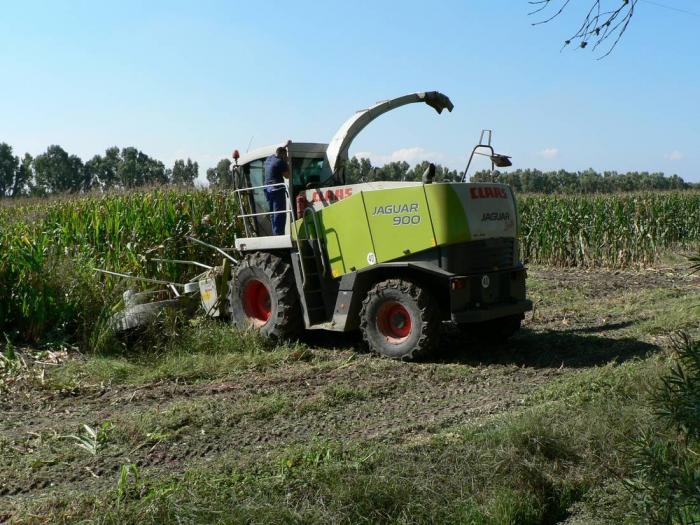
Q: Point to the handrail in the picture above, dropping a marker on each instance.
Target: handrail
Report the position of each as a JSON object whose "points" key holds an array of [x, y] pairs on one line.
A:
{"points": [[301, 262], [318, 238], [259, 187], [265, 213]]}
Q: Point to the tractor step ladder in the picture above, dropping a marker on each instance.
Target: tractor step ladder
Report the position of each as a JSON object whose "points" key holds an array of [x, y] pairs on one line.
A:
{"points": [[313, 269]]}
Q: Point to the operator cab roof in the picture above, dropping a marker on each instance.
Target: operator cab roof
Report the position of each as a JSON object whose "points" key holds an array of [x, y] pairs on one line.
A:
{"points": [[296, 149]]}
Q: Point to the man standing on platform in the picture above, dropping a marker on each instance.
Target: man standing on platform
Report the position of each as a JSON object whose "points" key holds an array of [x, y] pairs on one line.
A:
{"points": [[276, 171]]}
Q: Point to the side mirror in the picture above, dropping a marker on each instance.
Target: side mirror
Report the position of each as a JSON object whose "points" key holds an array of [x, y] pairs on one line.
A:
{"points": [[501, 161]]}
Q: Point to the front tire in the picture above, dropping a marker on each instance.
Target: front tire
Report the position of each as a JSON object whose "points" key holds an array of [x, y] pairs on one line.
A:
{"points": [[399, 320], [262, 296]]}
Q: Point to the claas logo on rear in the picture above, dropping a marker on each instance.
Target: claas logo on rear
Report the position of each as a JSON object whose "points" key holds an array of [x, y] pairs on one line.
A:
{"points": [[488, 192]]}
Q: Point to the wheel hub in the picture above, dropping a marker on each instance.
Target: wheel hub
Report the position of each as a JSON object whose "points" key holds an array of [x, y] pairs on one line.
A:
{"points": [[256, 302], [394, 322]]}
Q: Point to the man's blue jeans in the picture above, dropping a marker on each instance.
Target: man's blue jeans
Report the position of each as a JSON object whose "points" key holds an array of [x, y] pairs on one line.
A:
{"points": [[277, 203]]}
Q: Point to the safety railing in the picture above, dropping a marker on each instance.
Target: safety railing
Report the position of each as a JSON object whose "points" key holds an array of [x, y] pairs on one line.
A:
{"points": [[246, 216], [308, 211]]}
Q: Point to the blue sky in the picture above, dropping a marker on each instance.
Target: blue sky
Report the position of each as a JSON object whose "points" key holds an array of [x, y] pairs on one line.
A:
{"points": [[197, 79]]}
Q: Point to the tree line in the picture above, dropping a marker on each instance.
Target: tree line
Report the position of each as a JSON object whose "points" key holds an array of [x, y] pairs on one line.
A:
{"points": [[57, 171], [359, 170], [523, 180], [587, 181]]}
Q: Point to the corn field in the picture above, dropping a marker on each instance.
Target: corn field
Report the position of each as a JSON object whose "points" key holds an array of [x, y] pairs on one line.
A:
{"points": [[48, 249], [615, 231]]}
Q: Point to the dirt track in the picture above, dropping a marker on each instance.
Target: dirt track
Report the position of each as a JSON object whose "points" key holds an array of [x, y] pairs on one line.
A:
{"points": [[330, 394]]}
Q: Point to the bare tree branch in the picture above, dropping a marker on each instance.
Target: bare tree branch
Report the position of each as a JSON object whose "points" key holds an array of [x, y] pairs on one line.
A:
{"points": [[598, 26]]}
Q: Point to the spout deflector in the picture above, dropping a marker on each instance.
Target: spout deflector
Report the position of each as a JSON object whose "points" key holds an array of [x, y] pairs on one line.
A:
{"points": [[340, 143]]}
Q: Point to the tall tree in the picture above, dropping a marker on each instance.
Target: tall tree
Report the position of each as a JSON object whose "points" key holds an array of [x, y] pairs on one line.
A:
{"points": [[222, 175], [394, 171], [135, 168], [185, 173], [128, 173], [103, 171], [25, 176], [154, 172], [358, 170], [442, 173], [9, 165], [56, 171]]}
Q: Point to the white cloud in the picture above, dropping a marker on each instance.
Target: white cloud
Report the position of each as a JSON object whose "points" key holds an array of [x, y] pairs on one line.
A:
{"points": [[549, 153], [363, 155], [411, 155], [674, 155]]}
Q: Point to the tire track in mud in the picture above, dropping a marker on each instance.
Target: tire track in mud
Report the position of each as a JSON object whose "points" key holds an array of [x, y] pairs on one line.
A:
{"points": [[404, 401], [398, 403]]}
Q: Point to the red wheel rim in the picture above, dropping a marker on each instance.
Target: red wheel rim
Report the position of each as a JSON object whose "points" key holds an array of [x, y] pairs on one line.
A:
{"points": [[256, 302], [394, 322]]}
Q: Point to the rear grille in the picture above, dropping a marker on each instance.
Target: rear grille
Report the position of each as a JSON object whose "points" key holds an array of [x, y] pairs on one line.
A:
{"points": [[481, 256]]}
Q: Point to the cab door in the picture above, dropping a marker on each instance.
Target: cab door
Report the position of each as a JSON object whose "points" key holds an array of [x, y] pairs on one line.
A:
{"points": [[254, 200]]}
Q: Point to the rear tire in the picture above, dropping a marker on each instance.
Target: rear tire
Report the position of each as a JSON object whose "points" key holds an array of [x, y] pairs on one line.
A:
{"points": [[262, 296], [399, 320]]}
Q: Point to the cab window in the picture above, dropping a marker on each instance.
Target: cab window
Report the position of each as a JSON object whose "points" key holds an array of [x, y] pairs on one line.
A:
{"points": [[308, 172], [255, 172]]}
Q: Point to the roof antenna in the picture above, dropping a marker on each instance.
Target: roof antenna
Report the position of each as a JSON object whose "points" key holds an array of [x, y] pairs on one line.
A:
{"points": [[249, 143]]}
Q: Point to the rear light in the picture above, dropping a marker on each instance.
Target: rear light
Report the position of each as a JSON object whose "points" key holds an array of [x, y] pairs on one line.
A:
{"points": [[458, 283]]}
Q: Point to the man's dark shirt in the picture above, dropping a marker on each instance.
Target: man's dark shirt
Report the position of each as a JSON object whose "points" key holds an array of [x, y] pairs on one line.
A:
{"points": [[274, 168]]}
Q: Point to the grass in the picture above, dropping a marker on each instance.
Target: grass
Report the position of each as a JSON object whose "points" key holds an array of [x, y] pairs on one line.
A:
{"points": [[631, 380], [214, 426], [524, 467], [656, 310], [203, 351]]}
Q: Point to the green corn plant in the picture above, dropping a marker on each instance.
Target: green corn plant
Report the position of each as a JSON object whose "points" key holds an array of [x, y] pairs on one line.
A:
{"points": [[92, 439], [9, 353], [67, 237], [615, 231], [129, 478]]}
